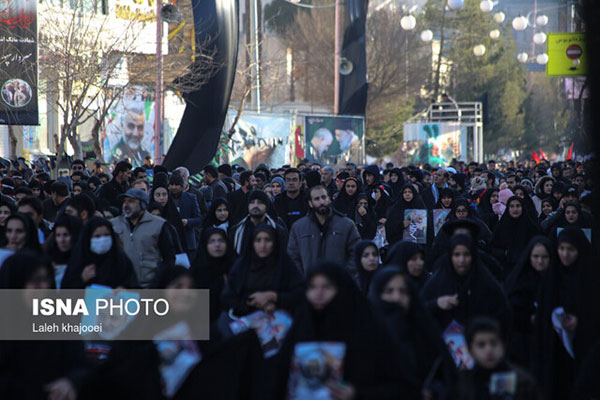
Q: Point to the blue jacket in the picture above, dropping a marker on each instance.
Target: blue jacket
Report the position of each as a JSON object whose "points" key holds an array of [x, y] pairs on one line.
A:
{"points": [[189, 209]]}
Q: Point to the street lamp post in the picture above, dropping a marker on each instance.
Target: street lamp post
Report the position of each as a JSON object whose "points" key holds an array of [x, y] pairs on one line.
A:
{"points": [[158, 102], [337, 58]]}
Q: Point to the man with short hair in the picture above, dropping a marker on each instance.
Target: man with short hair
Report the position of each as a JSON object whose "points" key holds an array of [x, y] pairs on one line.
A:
{"points": [[54, 206], [189, 211], [351, 169], [431, 195], [141, 184], [257, 206], [201, 198], [145, 237], [81, 206], [139, 173], [32, 206], [511, 181], [328, 181], [238, 199], [322, 235], [110, 191], [291, 204], [211, 177], [78, 166]]}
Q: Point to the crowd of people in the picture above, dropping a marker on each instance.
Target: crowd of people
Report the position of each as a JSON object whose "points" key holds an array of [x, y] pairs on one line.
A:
{"points": [[508, 267]]}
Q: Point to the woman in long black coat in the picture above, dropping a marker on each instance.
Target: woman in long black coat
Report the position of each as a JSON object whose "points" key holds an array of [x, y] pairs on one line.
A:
{"points": [[410, 258], [409, 199], [462, 288], [485, 210], [367, 263], [523, 287], [346, 200]]}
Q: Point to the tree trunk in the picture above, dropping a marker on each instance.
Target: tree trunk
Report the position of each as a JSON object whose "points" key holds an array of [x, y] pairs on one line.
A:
{"points": [[96, 139], [13, 142]]}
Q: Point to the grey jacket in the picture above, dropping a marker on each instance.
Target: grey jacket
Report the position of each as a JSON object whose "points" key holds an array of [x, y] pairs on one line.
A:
{"points": [[310, 243]]}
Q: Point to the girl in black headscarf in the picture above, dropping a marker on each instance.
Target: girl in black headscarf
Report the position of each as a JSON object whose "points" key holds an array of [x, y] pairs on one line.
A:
{"points": [[346, 200], [37, 370], [396, 302], [156, 209], [265, 278], [410, 258], [485, 210], [37, 189], [364, 218], [7, 207], [22, 234], [212, 264], [60, 244], [523, 287], [570, 215], [462, 288], [334, 310], [396, 182], [160, 194], [218, 215], [99, 259], [514, 230], [522, 192], [548, 206], [395, 224], [367, 263], [381, 200], [572, 285]]}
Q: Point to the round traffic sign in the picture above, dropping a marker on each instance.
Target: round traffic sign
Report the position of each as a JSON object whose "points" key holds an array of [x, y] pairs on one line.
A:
{"points": [[574, 51]]}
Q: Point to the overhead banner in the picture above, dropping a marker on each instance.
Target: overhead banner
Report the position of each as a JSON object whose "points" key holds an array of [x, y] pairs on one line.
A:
{"points": [[18, 63], [259, 138], [566, 54], [430, 143], [334, 140]]}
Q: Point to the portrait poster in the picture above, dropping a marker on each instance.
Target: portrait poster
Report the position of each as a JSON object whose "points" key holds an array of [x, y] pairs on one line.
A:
{"points": [[430, 143], [334, 140], [19, 63], [416, 231], [313, 365], [259, 138], [439, 218], [454, 337], [129, 126], [270, 328]]}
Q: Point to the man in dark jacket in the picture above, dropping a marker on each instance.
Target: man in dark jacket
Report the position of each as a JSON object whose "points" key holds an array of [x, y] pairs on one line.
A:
{"points": [[257, 206], [431, 194], [55, 205], [238, 199], [211, 177], [371, 178], [322, 235], [291, 205], [110, 191], [188, 208], [200, 197]]}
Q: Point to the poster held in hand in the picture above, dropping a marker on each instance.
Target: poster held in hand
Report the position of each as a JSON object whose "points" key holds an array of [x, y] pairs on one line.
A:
{"points": [[416, 231]]}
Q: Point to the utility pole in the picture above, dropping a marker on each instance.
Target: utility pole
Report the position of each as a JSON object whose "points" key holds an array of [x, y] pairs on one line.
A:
{"points": [[158, 103], [337, 58]]}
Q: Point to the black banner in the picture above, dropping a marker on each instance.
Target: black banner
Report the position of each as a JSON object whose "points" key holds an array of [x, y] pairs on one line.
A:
{"points": [[18, 63]]}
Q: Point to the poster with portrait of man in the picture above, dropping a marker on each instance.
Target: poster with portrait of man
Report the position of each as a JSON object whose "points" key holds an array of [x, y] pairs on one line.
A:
{"points": [[129, 127], [334, 140]]}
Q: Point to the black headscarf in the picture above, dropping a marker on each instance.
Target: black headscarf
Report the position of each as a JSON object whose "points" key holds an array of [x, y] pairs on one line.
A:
{"points": [[73, 225], [446, 192], [529, 205], [18, 269], [396, 187], [550, 200], [478, 292], [364, 276], [400, 254], [32, 241], [485, 210], [35, 184], [251, 273], [395, 217], [345, 203], [113, 269], [169, 211], [211, 219], [381, 206], [580, 223]]}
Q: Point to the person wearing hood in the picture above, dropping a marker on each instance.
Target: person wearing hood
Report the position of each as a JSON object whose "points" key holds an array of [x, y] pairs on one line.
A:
{"points": [[459, 182], [367, 258], [523, 287], [264, 278], [396, 303], [7, 207], [365, 218], [219, 215], [160, 194], [99, 259], [258, 207], [334, 310], [462, 288], [514, 230], [371, 178], [60, 244], [571, 215], [485, 209], [410, 258], [380, 201], [21, 233], [38, 370], [547, 209], [543, 189], [278, 185], [499, 207], [395, 223], [396, 182], [524, 193], [212, 264], [156, 209], [573, 286], [345, 202]]}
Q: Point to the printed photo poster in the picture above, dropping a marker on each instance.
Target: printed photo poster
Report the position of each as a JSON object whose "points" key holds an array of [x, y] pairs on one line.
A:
{"points": [[416, 231], [19, 63], [259, 138], [313, 365], [270, 329], [432, 143], [439, 219], [129, 127], [112, 325], [334, 140], [454, 337]]}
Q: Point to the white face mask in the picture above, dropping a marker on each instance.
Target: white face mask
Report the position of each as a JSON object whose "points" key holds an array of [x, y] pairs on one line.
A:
{"points": [[101, 245]]}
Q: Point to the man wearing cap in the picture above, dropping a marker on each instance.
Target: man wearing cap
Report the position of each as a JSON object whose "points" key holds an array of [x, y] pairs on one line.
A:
{"points": [[188, 208], [258, 205], [110, 191], [145, 237]]}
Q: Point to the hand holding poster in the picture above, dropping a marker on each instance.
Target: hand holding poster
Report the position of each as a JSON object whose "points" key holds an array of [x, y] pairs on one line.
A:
{"points": [[439, 218], [454, 338], [270, 328], [416, 231]]}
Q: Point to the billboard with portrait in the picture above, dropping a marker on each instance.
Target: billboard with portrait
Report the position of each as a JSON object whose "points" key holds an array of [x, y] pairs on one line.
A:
{"points": [[430, 143], [129, 127], [334, 140], [259, 138], [18, 57]]}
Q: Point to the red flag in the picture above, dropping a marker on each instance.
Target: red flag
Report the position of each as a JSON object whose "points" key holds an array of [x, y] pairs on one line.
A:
{"points": [[535, 157], [543, 155], [299, 147], [570, 155]]}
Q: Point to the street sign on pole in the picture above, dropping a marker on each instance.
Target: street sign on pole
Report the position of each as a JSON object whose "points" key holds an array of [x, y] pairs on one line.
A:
{"points": [[566, 54]]}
